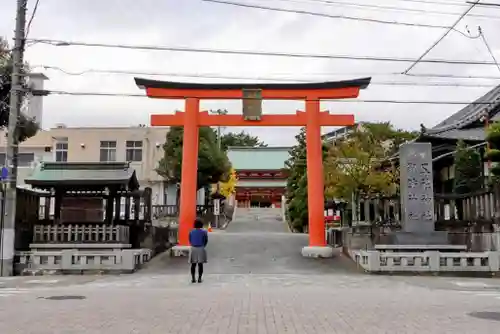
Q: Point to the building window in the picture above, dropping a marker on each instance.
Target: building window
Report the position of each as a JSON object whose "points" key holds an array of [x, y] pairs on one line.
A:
{"points": [[62, 150], [108, 151], [25, 159], [133, 150]]}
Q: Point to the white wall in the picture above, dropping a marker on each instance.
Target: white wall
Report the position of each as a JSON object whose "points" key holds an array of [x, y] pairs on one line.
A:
{"points": [[35, 103], [171, 195]]}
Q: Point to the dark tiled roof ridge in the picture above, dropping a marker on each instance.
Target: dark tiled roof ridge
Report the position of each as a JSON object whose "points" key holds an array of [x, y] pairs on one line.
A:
{"points": [[469, 114], [55, 165]]}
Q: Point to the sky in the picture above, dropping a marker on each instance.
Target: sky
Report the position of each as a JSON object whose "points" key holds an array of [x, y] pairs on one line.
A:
{"points": [[201, 24]]}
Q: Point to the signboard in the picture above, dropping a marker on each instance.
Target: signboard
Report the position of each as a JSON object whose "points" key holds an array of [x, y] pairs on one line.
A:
{"points": [[252, 104], [216, 207]]}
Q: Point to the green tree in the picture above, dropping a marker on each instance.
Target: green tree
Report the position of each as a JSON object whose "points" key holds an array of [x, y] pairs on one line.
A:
{"points": [[468, 170], [240, 139], [27, 128], [296, 187], [390, 137], [493, 152], [213, 165], [353, 169]]}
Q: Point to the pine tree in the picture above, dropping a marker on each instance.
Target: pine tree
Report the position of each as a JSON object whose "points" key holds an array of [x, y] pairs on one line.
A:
{"points": [[493, 152], [468, 170], [296, 187], [213, 165], [27, 127]]}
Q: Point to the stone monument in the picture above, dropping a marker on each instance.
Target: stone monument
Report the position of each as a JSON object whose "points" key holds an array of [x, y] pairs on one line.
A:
{"points": [[417, 197]]}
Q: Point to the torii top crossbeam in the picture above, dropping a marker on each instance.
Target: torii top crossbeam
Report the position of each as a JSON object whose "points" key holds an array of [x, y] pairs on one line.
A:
{"points": [[276, 91], [281, 91], [252, 95]]}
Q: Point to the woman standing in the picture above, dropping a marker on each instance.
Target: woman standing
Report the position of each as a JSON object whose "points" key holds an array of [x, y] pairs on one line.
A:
{"points": [[198, 239]]}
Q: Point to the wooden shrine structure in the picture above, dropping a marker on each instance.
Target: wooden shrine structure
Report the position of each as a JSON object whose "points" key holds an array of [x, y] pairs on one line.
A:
{"points": [[90, 193], [84, 217], [252, 95]]}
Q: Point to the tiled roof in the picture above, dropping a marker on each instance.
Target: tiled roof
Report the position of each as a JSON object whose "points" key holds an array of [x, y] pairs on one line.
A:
{"points": [[472, 134], [258, 158], [458, 125], [51, 174], [260, 184]]}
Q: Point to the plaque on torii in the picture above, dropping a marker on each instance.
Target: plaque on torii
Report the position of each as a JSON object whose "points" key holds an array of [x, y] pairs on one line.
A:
{"points": [[252, 95], [252, 104]]}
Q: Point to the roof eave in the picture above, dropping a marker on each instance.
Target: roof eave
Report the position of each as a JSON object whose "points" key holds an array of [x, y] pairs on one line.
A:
{"points": [[75, 182], [147, 83], [435, 137]]}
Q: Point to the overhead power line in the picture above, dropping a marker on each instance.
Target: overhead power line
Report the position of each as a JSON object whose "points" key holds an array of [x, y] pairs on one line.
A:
{"points": [[441, 3], [385, 8], [61, 43], [487, 4], [432, 84], [454, 76], [194, 75], [332, 16], [441, 38], [257, 78], [489, 48], [111, 94], [31, 18]]}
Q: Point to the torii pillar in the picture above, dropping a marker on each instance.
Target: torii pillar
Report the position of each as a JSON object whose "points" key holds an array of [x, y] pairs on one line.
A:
{"points": [[313, 119]]}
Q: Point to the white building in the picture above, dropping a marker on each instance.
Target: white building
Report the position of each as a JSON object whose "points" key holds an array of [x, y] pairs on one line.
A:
{"points": [[139, 145]]}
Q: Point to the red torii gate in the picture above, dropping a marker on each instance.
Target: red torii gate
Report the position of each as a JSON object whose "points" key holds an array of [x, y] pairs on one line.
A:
{"points": [[312, 119]]}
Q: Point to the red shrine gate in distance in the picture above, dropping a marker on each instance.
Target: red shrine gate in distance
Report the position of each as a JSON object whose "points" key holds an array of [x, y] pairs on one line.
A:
{"points": [[252, 95]]}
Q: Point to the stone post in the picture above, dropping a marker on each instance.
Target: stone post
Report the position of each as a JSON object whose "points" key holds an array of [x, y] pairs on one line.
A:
{"points": [[417, 193], [417, 197]]}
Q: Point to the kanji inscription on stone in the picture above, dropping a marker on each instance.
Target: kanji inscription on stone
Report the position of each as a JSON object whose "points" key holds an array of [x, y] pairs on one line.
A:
{"points": [[417, 193]]}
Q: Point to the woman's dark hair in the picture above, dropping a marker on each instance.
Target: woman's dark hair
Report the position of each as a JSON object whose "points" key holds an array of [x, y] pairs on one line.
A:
{"points": [[198, 223]]}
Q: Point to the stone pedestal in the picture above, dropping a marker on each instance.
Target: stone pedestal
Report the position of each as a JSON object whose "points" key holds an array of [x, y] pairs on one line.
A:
{"points": [[417, 198], [419, 238], [319, 252], [180, 251]]}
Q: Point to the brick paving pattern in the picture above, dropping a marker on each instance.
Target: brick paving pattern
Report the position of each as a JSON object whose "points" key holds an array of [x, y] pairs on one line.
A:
{"points": [[274, 291], [248, 304]]}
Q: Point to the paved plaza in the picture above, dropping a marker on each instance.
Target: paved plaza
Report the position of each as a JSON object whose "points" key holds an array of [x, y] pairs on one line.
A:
{"points": [[256, 282]]}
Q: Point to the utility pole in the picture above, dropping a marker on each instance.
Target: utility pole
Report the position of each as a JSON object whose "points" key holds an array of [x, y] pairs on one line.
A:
{"points": [[219, 112], [17, 90], [219, 145]]}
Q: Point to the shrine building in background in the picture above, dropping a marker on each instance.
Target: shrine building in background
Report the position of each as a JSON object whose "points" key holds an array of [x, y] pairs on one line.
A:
{"points": [[261, 176]]}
